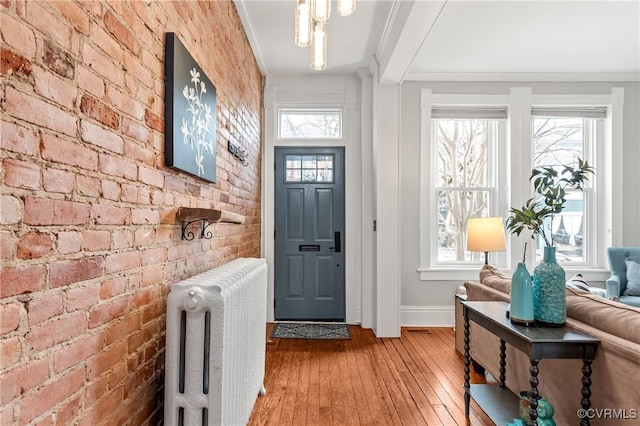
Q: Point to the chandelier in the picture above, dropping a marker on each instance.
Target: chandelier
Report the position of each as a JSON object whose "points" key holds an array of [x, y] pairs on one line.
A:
{"points": [[311, 18]]}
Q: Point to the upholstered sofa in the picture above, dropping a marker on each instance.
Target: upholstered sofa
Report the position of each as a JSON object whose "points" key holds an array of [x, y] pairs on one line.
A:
{"points": [[617, 283], [615, 370]]}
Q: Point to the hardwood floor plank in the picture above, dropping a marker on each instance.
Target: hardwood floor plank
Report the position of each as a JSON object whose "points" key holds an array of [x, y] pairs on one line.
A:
{"points": [[414, 380]]}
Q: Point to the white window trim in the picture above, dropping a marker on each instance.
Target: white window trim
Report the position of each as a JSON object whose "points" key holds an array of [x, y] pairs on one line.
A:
{"points": [[519, 103]]}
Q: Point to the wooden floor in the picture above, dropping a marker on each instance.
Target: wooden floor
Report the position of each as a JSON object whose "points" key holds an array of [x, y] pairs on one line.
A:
{"points": [[414, 380]]}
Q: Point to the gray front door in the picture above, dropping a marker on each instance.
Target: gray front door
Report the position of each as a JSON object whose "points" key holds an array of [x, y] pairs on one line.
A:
{"points": [[309, 234]]}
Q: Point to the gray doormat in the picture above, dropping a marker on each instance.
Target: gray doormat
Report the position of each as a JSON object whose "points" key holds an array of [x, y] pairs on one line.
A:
{"points": [[300, 330]]}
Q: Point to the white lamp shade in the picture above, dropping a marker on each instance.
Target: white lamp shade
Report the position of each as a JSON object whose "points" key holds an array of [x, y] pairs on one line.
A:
{"points": [[485, 234]]}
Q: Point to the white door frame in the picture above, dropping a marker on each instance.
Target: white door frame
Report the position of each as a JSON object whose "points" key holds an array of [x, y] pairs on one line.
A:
{"points": [[338, 93]]}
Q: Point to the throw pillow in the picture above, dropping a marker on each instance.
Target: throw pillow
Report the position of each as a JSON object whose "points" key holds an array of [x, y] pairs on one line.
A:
{"points": [[633, 278], [578, 282]]}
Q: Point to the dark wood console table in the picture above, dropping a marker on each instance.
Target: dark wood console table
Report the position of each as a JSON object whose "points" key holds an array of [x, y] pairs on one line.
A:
{"points": [[500, 404]]}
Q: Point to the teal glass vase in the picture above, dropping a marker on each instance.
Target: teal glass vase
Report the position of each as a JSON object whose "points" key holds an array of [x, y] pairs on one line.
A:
{"points": [[522, 296], [549, 297]]}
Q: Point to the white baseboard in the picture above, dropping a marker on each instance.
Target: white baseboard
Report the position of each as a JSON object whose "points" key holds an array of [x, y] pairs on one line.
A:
{"points": [[427, 316]]}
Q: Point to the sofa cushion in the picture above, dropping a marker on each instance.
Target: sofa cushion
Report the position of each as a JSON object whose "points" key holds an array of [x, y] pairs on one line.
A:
{"points": [[495, 278], [578, 282], [612, 317], [633, 278]]}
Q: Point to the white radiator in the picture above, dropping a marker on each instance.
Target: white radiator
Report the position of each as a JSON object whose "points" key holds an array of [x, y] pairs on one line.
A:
{"points": [[215, 347]]}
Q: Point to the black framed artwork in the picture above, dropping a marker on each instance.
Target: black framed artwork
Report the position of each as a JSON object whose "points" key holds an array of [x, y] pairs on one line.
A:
{"points": [[190, 113]]}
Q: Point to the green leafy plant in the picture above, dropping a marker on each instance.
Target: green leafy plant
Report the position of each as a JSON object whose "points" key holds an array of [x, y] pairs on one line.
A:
{"points": [[551, 186]]}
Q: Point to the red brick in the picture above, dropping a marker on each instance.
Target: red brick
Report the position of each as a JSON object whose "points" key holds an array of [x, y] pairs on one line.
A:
{"points": [[40, 211], [54, 88], [151, 177], [73, 14], [144, 237], [102, 65], [153, 120], [94, 391], [106, 408], [118, 166], [96, 240], [10, 315], [78, 351], [20, 174], [53, 27], [10, 210], [91, 82], [112, 287], [32, 110], [99, 111], [68, 412], [122, 239], [18, 36], [45, 398], [111, 190], [34, 245], [110, 215], [23, 379], [106, 43], [135, 67], [60, 181], [12, 64], [65, 272], [123, 261], [152, 275], [43, 308], [121, 33], [10, 352], [54, 332], [108, 311], [89, 186], [138, 339], [20, 280], [69, 242], [106, 359], [58, 60], [145, 217], [82, 297], [135, 130], [120, 331], [67, 152], [101, 137], [18, 139], [129, 193], [125, 103]]}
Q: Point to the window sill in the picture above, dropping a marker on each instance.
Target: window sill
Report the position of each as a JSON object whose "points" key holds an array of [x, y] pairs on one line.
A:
{"points": [[471, 274]]}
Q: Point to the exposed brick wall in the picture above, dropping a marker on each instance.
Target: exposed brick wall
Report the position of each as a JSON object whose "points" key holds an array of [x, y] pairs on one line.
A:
{"points": [[89, 242]]}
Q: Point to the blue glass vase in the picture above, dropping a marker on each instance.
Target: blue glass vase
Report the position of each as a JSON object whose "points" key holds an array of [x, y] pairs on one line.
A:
{"points": [[522, 296], [549, 297]]}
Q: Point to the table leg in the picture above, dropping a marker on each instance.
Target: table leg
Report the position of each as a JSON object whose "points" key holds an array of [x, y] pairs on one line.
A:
{"points": [[586, 390], [467, 363], [533, 393], [503, 363]]}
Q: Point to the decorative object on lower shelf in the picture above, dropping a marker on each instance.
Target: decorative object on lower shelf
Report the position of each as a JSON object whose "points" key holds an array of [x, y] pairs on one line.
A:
{"points": [[549, 297], [545, 411]]}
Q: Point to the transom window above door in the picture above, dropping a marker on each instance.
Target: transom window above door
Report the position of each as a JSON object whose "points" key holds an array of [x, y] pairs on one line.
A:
{"points": [[309, 168], [310, 124]]}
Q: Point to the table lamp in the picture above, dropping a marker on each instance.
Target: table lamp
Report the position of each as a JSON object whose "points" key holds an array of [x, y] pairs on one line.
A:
{"points": [[485, 234]]}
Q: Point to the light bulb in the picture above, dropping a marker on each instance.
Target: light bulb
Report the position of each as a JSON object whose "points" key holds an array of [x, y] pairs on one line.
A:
{"points": [[346, 7], [319, 47], [303, 23]]}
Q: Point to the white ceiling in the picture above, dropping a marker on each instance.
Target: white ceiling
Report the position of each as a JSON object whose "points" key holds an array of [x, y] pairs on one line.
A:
{"points": [[456, 39]]}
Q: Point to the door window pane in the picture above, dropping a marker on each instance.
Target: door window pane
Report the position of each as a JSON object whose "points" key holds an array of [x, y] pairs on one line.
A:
{"points": [[309, 168]]}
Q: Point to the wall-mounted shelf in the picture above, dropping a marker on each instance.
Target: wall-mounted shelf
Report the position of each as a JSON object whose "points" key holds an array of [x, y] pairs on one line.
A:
{"points": [[188, 216]]}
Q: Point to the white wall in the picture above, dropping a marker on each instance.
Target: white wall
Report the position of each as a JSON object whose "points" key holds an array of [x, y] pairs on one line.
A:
{"points": [[431, 302]]}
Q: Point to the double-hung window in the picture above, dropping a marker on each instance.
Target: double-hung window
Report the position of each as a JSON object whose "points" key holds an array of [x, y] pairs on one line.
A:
{"points": [[466, 175], [477, 152], [561, 136]]}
